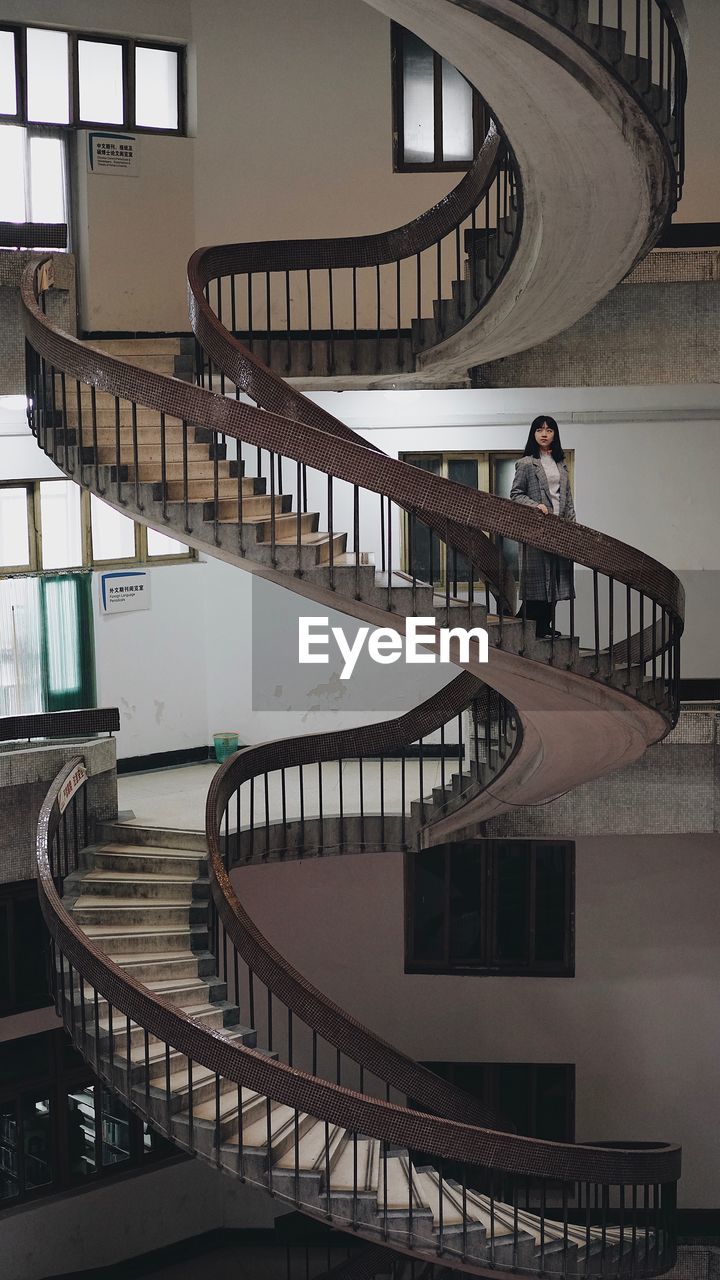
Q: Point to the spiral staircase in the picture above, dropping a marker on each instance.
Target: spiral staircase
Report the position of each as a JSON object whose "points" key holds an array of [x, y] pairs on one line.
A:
{"points": [[165, 983]]}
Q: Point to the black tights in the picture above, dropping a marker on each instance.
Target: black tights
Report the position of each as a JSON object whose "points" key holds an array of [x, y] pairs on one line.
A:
{"points": [[540, 612]]}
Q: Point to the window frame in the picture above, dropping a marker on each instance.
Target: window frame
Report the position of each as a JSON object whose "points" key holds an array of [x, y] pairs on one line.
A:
{"points": [[55, 1080], [141, 559], [489, 965], [128, 44], [491, 1088], [480, 115], [11, 893], [486, 460]]}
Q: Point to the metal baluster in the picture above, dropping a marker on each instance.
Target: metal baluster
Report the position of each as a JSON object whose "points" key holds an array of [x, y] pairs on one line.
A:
{"points": [[185, 476], [628, 612], [273, 548], [400, 360], [354, 356], [267, 318], [81, 443], [309, 320], [250, 310], [438, 289], [642, 637], [378, 335], [596, 618], [331, 543], [331, 317], [288, 352], [389, 553]]}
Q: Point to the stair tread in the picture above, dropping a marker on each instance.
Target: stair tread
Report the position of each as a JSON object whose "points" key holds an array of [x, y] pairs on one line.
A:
{"points": [[137, 877], [126, 960], [91, 901], [148, 850]]}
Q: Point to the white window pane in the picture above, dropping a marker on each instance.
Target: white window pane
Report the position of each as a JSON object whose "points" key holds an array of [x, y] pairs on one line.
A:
{"points": [[47, 76], [100, 70], [160, 545], [418, 101], [156, 88], [457, 100], [61, 524], [47, 180], [8, 85], [63, 635], [20, 647], [14, 535], [113, 534], [12, 168]]}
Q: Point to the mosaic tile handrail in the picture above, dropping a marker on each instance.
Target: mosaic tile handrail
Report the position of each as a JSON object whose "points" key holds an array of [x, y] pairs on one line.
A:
{"points": [[596, 1210]]}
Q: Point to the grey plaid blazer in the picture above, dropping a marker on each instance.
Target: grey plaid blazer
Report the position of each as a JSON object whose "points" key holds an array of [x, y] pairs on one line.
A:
{"points": [[543, 576]]}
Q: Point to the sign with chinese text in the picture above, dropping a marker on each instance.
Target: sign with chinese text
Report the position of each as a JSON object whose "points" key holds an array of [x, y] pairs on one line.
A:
{"points": [[124, 591], [114, 153], [77, 779]]}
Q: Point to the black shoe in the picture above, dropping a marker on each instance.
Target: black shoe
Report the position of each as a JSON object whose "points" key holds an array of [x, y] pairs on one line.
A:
{"points": [[548, 635]]}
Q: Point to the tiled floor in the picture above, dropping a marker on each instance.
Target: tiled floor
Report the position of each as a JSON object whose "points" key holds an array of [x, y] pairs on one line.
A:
{"points": [[176, 797]]}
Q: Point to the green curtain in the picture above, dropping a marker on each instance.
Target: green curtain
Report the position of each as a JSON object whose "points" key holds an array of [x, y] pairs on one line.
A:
{"points": [[68, 641]]}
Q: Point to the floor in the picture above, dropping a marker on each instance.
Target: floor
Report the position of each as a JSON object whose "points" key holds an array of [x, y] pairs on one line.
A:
{"points": [[176, 797]]}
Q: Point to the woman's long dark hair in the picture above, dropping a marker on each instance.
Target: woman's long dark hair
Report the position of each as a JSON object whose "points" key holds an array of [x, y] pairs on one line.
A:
{"points": [[532, 448]]}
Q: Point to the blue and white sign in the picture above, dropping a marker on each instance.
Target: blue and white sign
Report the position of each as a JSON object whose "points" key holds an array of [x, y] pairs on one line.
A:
{"points": [[124, 591]]}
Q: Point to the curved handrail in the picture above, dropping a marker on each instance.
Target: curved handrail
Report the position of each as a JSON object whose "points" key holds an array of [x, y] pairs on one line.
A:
{"points": [[336, 1026], [381, 247], [465, 513], [357, 1112]]}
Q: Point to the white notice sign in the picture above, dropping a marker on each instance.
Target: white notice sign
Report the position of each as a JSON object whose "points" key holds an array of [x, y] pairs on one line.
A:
{"points": [[124, 591], [114, 153]]}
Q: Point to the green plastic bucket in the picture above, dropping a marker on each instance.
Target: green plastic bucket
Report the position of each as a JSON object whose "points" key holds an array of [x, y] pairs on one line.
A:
{"points": [[225, 745]]}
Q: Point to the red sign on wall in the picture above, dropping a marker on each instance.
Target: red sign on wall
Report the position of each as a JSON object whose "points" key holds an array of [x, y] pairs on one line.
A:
{"points": [[77, 779]]}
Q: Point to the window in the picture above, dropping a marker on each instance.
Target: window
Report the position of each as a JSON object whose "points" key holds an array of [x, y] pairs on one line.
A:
{"points": [[54, 525], [59, 1126], [439, 120], [23, 950], [503, 907], [537, 1097], [423, 554], [47, 649], [64, 78], [34, 187]]}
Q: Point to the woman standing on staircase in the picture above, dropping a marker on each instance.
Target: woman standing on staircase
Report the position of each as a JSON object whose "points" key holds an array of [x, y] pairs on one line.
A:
{"points": [[542, 481]]}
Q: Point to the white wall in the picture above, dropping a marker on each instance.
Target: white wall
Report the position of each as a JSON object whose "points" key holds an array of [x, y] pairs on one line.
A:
{"points": [[151, 664], [639, 1019]]}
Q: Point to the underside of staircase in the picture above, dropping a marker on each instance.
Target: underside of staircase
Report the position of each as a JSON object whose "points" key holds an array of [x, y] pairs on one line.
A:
{"points": [[167, 986]]}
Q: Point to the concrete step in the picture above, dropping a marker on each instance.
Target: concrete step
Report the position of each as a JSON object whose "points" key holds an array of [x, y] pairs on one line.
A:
{"points": [[126, 912], [146, 966], [116, 940], [178, 1061], [202, 489], [141, 885], [155, 839], [144, 859]]}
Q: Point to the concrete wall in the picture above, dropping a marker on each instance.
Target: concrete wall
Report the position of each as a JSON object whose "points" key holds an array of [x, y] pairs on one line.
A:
{"points": [[660, 325], [674, 787], [25, 777], [126, 1218], [639, 1019]]}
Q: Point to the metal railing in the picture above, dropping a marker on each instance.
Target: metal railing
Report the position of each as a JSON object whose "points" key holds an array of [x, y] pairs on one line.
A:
{"points": [[503, 1202]]}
